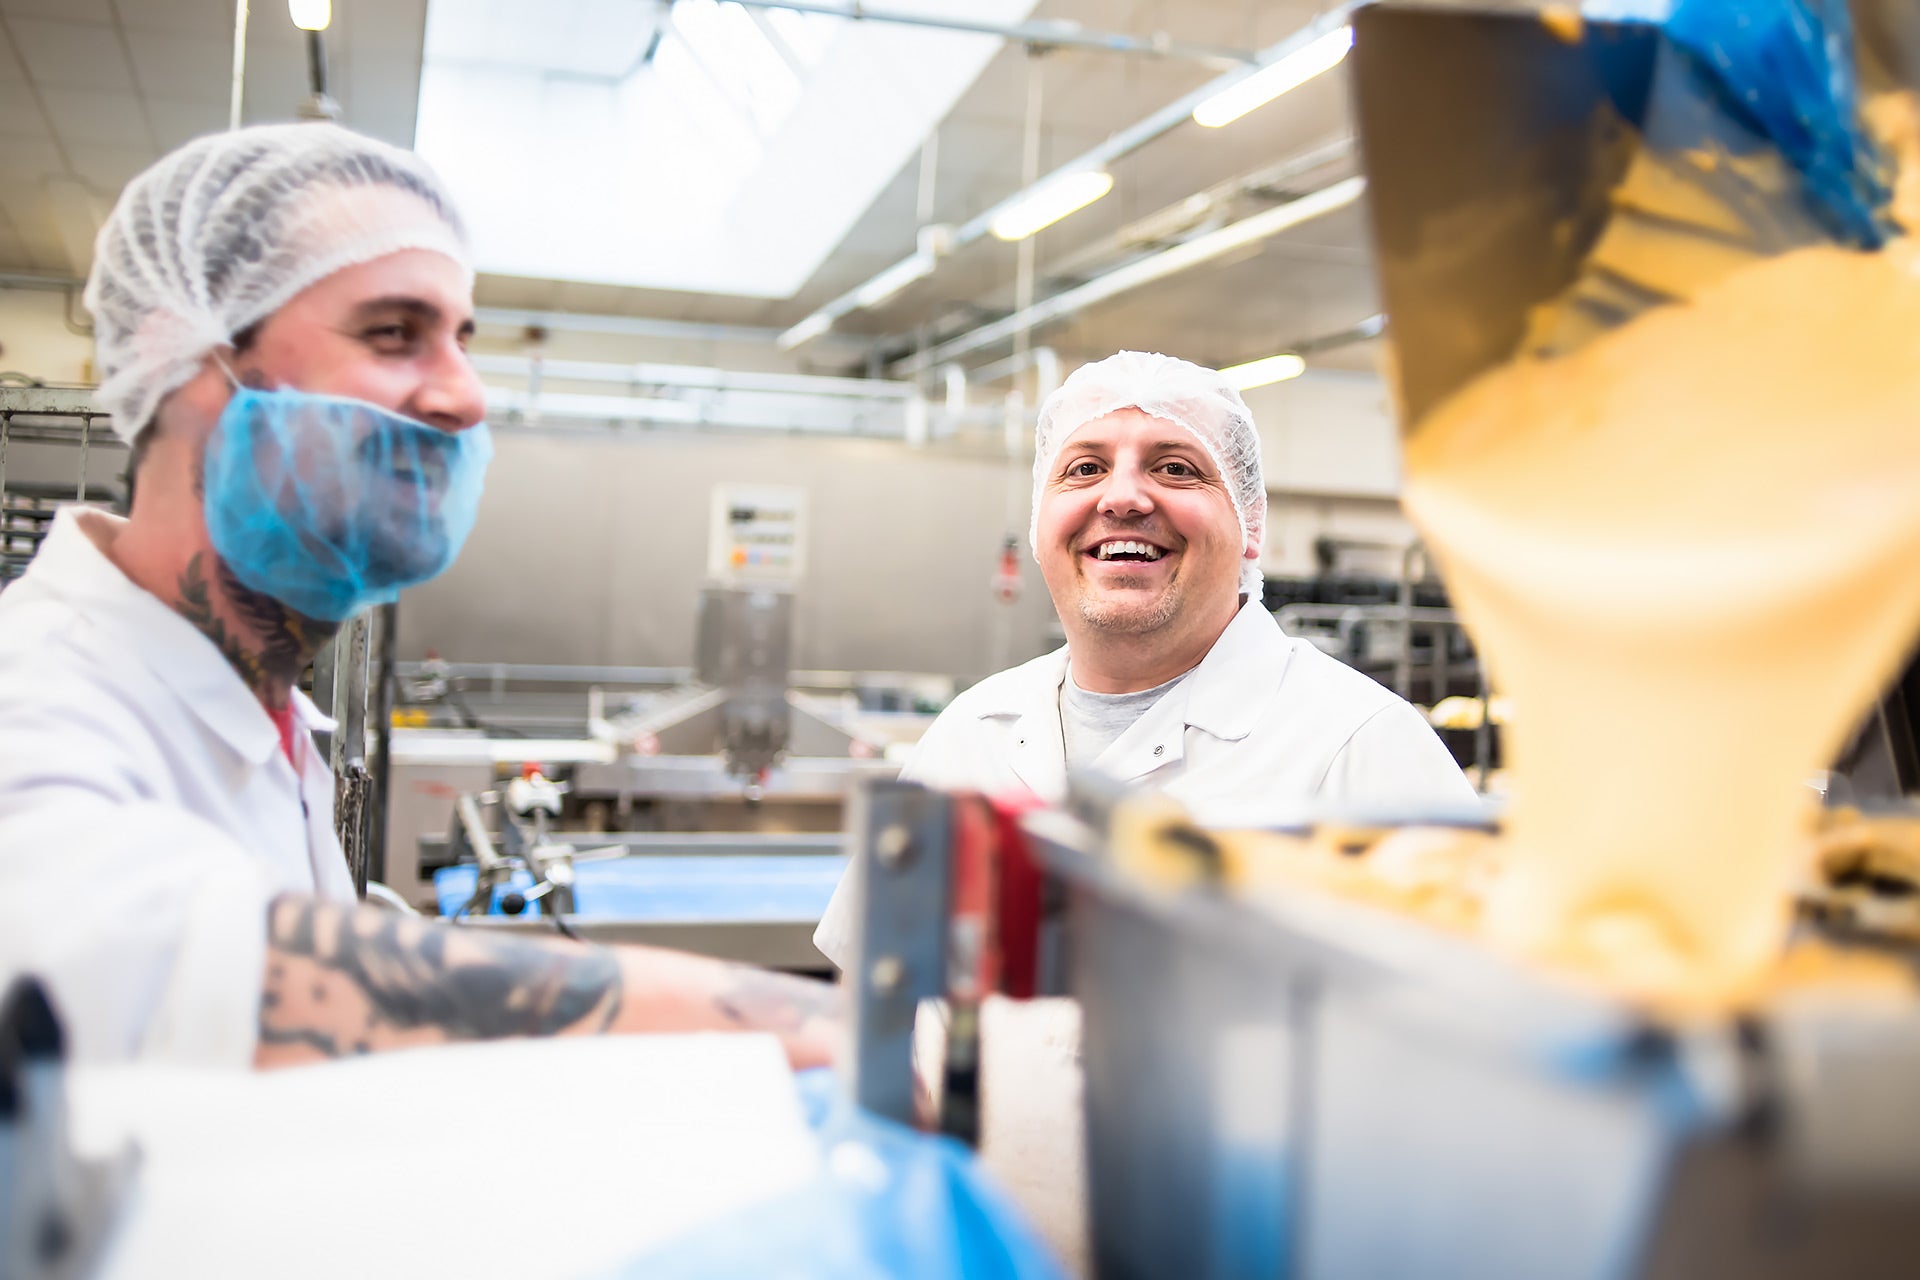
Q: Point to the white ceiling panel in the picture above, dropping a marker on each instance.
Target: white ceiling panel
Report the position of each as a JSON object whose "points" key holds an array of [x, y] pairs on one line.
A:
{"points": [[106, 169], [181, 65], [26, 161], [12, 249], [213, 18], [71, 55], [20, 110], [99, 12], [80, 117], [173, 123]]}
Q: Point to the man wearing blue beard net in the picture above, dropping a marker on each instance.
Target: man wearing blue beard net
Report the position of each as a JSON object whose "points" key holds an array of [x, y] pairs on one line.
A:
{"points": [[281, 316]]}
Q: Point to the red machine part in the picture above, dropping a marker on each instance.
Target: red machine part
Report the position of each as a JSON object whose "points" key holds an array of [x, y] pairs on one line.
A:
{"points": [[995, 915]]}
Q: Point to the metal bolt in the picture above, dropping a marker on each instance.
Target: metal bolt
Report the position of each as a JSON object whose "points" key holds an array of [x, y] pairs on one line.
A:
{"points": [[887, 974], [893, 844]]}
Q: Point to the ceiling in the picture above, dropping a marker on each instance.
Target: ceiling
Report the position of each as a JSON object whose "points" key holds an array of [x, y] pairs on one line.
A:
{"points": [[93, 90]]}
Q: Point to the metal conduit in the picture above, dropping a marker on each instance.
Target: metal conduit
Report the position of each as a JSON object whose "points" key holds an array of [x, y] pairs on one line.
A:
{"points": [[1065, 35]]}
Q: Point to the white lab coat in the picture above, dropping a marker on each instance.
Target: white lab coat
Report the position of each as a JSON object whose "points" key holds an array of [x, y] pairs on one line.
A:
{"points": [[147, 812], [1266, 726]]}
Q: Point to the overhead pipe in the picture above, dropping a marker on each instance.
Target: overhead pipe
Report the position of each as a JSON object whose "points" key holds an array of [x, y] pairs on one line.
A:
{"points": [[1064, 35], [1249, 230], [1116, 147], [636, 326]]}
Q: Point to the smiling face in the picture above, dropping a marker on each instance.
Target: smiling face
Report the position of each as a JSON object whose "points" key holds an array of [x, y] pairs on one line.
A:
{"points": [[391, 332], [1136, 535]]}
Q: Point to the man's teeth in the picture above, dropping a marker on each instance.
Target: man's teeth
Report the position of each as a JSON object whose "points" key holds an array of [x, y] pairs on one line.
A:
{"points": [[1128, 550]]}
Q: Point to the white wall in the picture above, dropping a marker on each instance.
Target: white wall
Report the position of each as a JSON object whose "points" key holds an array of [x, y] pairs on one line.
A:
{"points": [[35, 340], [591, 546], [1331, 452], [592, 549]]}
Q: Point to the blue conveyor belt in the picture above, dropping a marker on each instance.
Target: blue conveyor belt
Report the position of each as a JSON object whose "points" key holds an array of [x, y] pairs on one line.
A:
{"points": [[670, 889]]}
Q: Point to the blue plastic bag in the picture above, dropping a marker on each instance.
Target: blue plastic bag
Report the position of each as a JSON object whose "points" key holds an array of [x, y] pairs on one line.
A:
{"points": [[1785, 69], [889, 1203]]}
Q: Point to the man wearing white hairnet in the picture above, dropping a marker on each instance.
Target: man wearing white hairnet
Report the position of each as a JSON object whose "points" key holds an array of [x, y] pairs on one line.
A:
{"points": [[1149, 509], [281, 316]]}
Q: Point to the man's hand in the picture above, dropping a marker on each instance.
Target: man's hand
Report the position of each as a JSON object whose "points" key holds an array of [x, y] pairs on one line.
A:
{"points": [[344, 980]]}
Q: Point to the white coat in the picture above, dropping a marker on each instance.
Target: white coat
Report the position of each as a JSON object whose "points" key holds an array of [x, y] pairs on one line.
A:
{"points": [[1266, 726], [148, 813]]}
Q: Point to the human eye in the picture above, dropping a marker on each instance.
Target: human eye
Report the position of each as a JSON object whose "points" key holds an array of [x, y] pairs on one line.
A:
{"points": [[391, 337], [1176, 469], [1085, 468]]}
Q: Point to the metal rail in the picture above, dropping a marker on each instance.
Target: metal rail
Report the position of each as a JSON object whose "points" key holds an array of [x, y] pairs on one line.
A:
{"points": [[1063, 35]]}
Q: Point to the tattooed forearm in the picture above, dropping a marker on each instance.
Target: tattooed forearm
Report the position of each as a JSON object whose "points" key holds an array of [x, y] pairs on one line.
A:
{"points": [[342, 980], [776, 1002]]}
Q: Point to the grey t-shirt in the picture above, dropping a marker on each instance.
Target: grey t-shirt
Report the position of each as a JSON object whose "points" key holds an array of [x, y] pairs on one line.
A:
{"points": [[1092, 722]]}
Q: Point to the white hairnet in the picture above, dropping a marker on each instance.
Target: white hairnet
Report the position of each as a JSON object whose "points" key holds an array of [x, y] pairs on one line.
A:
{"points": [[221, 233], [1175, 391]]}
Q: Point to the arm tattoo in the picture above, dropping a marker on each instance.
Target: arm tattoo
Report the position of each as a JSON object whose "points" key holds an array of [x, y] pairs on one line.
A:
{"points": [[341, 980], [762, 1001]]}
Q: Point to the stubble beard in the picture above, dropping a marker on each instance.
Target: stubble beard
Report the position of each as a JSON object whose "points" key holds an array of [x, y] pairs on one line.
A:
{"points": [[1126, 617]]}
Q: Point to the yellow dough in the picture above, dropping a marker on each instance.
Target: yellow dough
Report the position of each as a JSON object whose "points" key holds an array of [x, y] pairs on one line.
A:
{"points": [[1691, 549]]}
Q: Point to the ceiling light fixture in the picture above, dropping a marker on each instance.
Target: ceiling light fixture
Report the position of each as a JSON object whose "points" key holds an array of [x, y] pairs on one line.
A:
{"points": [[1268, 83], [310, 15], [882, 288], [806, 331], [1261, 373], [1052, 202]]}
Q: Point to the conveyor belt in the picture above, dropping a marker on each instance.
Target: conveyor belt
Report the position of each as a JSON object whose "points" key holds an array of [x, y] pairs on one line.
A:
{"points": [[760, 908]]}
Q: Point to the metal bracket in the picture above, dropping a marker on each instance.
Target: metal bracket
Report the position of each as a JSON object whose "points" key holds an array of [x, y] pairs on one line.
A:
{"points": [[901, 836]]}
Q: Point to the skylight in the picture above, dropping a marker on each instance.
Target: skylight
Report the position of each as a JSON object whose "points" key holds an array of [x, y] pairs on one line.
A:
{"points": [[707, 147]]}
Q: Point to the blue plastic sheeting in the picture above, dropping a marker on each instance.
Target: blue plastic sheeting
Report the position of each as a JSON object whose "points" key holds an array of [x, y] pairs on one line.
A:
{"points": [[889, 1202], [1785, 69], [668, 889]]}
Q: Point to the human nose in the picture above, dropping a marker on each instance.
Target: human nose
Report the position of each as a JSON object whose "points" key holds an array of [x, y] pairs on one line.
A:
{"points": [[1126, 494], [451, 397]]}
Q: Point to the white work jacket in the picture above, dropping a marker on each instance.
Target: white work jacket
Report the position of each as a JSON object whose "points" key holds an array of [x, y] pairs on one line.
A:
{"points": [[1265, 727], [148, 813]]}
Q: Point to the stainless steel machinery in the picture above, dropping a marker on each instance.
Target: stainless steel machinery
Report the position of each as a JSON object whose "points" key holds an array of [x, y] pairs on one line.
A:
{"points": [[1292, 1082], [1310, 1086]]}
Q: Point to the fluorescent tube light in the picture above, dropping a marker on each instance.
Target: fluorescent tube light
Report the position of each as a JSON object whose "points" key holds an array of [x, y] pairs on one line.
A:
{"points": [[1282, 76], [1260, 373], [1052, 202], [310, 15], [806, 331], [884, 286]]}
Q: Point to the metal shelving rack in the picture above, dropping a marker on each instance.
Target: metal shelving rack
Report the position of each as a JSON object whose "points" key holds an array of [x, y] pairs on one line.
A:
{"points": [[46, 415]]}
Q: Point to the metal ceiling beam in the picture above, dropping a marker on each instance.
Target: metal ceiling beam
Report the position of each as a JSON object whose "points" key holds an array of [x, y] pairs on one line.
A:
{"points": [[1250, 230], [635, 326], [1117, 147], [1065, 35]]}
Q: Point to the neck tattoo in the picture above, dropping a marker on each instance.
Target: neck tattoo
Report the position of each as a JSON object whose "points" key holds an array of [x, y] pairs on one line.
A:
{"points": [[270, 645]]}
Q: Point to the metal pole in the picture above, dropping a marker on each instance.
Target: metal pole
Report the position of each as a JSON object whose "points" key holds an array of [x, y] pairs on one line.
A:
{"points": [[86, 429], [382, 741], [239, 62], [352, 784], [1046, 34], [317, 63]]}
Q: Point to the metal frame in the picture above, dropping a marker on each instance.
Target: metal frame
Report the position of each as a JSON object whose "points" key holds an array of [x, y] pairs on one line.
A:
{"points": [[900, 837]]}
